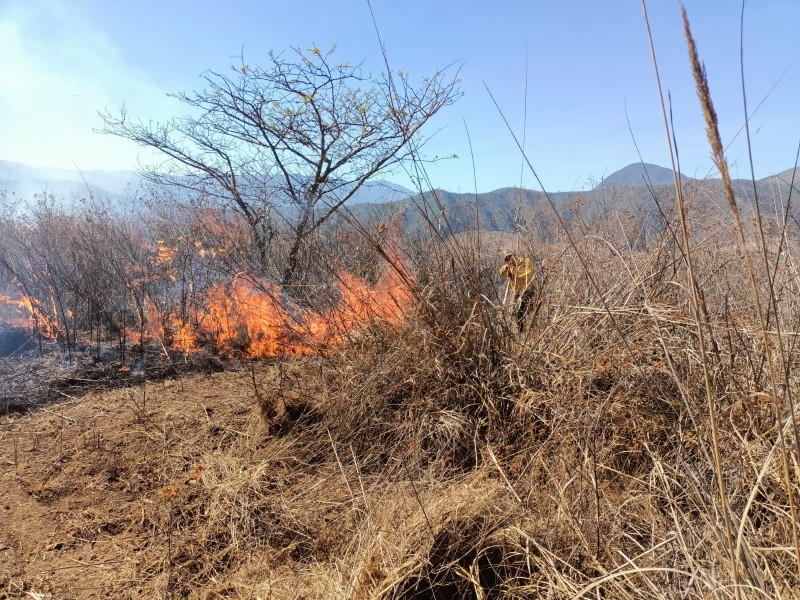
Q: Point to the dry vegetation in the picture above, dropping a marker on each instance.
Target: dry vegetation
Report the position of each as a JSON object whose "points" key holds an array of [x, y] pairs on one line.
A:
{"points": [[446, 457]]}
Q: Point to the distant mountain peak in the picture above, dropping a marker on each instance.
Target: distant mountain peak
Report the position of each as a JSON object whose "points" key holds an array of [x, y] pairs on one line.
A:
{"points": [[639, 174]]}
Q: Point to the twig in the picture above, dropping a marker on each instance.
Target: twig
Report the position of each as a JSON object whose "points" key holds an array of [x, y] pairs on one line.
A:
{"points": [[47, 410]]}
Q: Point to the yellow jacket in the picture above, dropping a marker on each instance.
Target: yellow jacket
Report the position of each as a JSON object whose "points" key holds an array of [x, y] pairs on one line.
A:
{"points": [[520, 274]]}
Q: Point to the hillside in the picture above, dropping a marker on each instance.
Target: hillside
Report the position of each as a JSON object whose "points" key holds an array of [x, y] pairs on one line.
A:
{"points": [[173, 424], [514, 210]]}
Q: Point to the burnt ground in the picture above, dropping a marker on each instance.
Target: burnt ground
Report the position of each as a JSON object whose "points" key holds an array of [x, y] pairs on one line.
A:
{"points": [[38, 373]]}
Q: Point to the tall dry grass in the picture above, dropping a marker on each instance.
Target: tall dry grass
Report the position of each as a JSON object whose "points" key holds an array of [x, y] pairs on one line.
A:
{"points": [[452, 458]]}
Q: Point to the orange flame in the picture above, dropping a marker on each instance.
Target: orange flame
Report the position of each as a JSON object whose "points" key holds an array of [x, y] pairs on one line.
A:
{"points": [[30, 313], [260, 321], [241, 318], [251, 321]]}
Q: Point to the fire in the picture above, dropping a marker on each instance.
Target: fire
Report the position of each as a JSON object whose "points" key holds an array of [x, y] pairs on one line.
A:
{"points": [[388, 300], [257, 318], [263, 322], [165, 254], [244, 317], [250, 320], [31, 313], [257, 321], [14, 319], [169, 331]]}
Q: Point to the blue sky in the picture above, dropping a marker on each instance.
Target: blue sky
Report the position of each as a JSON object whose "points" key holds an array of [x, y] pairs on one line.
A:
{"points": [[63, 60]]}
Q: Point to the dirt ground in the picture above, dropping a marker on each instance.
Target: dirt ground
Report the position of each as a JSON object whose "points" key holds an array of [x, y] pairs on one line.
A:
{"points": [[86, 484]]}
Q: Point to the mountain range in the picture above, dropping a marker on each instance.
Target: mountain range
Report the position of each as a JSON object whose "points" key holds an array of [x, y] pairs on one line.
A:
{"points": [[633, 186], [24, 182], [643, 190]]}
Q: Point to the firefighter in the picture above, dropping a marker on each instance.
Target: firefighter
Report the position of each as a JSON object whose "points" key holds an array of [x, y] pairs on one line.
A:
{"points": [[520, 275]]}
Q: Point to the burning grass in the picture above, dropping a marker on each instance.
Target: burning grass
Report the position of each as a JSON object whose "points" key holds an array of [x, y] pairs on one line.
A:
{"points": [[246, 317]]}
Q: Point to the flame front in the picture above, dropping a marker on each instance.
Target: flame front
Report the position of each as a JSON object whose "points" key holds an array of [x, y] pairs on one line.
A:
{"points": [[241, 318], [30, 313]]}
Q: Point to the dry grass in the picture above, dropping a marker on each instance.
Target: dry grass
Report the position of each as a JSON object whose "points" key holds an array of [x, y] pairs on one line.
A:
{"points": [[447, 458]]}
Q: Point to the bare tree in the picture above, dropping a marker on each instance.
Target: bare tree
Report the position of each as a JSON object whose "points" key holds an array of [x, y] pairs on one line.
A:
{"points": [[287, 145]]}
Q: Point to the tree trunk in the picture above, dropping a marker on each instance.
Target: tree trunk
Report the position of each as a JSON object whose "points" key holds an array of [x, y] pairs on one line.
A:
{"points": [[290, 271]]}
